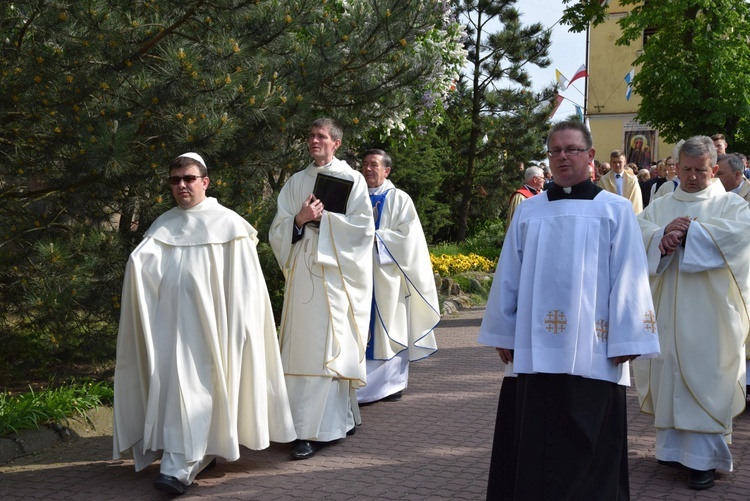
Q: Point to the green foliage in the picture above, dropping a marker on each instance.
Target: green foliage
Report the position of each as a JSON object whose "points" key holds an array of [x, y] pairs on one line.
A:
{"points": [[475, 284], [274, 278], [62, 302], [487, 238], [579, 15], [28, 411], [503, 123], [693, 70], [421, 161], [486, 241], [97, 97]]}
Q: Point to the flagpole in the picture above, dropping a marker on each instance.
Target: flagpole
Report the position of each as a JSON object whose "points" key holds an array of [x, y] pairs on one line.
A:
{"points": [[588, 68]]}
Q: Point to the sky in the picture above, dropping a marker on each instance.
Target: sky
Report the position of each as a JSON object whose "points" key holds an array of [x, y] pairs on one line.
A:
{"points": [[568, 53]]}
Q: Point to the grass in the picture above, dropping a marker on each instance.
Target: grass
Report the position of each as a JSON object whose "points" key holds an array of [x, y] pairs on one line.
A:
{"points": [[30, 410]]}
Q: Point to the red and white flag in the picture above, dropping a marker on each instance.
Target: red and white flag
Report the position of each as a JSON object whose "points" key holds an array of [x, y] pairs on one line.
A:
{"points": [[579, 74]]}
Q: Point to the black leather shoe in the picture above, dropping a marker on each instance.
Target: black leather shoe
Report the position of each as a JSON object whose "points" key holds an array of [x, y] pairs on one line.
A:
{"points": [[701, 479], [394, 397], [351, 432], [170, 485], [305, 449]]}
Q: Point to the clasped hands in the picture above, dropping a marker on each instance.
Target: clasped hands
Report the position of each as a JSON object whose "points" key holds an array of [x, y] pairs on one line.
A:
{"points": [[312, 210], [507, 356], [674, 234]]}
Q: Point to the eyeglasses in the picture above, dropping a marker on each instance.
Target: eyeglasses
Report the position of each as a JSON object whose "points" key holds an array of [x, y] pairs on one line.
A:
{"points": [[175, 180], [569, 152]]}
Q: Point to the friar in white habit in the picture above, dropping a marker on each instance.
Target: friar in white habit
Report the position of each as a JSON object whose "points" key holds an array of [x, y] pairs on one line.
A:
{"points": [[405, 306], [198, 371]]}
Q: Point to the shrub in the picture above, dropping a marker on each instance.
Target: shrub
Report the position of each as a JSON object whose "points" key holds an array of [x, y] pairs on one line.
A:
{"points": [[28, 411]]}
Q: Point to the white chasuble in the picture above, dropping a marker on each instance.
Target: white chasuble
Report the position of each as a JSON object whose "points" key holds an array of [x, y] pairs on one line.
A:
{"points": [[630, 188], [581, 298], [328, 280], [701, 294], [198, 370], [406, 300]]}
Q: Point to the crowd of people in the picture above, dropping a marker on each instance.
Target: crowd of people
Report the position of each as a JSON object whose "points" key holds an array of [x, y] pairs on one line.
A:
{"points": [[605, 268], [581, 296]]}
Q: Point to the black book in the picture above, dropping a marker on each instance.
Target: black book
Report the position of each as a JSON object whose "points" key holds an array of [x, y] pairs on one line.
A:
{"points": [[333, 192]]}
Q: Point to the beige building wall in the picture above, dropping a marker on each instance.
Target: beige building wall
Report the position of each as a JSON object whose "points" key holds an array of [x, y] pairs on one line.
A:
{"points": [[611, 116]]}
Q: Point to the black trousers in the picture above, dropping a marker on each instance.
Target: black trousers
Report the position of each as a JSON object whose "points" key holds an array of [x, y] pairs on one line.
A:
{"points": [[559, 437]]}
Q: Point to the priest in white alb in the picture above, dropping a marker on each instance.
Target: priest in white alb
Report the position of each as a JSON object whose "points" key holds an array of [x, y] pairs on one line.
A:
{"points": [[405, 307], [326, 258], [198, 371], [570, 306], [697, 240]]}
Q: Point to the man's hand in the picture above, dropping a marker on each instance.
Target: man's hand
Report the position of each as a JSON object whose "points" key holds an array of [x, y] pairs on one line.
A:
{"points": [[670, 241], [312, 210], [674, 234], [505, 355], [678, 224]]}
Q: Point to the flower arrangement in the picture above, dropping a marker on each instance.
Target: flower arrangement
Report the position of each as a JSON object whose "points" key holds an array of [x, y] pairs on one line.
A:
{"points": [[447, 265]]}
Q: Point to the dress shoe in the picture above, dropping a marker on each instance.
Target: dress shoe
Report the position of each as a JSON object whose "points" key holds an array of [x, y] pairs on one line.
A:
{"points": [[701, 479], [305, 449], [351, 432], [394, 397], [170, 485]]}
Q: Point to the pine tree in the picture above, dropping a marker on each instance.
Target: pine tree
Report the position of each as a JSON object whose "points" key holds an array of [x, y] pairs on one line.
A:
{"points": [[495, 58], [97, 97]]}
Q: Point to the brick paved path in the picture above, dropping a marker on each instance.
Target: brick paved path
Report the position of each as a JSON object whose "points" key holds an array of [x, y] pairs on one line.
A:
{"points": [[433, 444]]}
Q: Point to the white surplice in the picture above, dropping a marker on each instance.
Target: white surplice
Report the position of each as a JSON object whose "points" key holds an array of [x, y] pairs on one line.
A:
{"points": [[406, 307], [701, 294], [327, 302], [198, 369], [582, 300]]}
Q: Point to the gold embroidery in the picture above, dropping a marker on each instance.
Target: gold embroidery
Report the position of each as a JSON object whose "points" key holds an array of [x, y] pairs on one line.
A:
{"points": [[602, 330], [556, 321], [649, 321]]}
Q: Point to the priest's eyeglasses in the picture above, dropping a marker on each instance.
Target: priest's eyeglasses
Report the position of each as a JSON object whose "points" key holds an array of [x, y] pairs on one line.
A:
{"points": [[175, 180], [569, 152]]}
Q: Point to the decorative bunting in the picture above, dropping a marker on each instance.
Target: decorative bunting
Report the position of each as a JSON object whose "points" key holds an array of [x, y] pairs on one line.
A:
{"points": [[629, 79], [559, 100], [579, 74]]}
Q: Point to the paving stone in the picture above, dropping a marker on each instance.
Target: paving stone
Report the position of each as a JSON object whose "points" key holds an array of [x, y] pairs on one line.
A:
{"points": [[432, 445]]}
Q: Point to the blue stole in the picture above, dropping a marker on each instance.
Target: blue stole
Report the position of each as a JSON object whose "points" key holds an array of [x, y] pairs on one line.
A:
{"points": [[378, 202]]}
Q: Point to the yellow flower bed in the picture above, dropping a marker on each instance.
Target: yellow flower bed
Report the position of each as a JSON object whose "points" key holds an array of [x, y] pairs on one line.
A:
{"points": [[446, 265]]}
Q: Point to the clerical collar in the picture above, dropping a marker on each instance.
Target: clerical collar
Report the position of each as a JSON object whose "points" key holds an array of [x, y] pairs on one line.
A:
{"points": [[531, 189], [586, 190], [323, 166]]}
